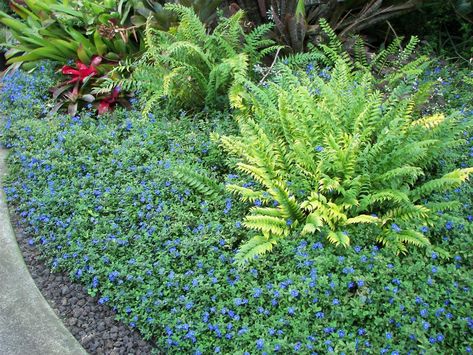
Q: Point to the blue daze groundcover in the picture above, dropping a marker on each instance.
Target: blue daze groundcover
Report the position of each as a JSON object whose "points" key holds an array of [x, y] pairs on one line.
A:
{"points": [[101, 200]]}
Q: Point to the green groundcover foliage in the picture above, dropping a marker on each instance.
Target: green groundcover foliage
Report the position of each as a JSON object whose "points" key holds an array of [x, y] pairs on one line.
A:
{"points": [[105, 201]]}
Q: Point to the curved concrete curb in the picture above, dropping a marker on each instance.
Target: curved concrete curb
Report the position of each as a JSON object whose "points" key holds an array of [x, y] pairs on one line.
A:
{"points": [[28, 325]]}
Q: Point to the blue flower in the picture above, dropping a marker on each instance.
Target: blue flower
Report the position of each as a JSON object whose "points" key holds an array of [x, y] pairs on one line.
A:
{"points": [[95, 282], [113, 275], [103, 300], [260, 344], [395, 228], [257, 292]]}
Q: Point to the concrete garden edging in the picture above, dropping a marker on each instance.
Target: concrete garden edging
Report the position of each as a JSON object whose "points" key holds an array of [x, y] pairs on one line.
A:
{"points": [[28, 325]]}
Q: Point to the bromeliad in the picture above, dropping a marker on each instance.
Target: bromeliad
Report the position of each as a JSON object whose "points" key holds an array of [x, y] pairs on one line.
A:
{"points": [[83, 71], [105, 104]]}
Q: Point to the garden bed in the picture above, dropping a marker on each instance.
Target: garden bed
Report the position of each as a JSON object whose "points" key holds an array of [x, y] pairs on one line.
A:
{"points": [[102, 203]]}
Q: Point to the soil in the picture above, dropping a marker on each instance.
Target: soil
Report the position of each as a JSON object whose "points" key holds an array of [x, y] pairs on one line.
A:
{"points": [[92, 324]]}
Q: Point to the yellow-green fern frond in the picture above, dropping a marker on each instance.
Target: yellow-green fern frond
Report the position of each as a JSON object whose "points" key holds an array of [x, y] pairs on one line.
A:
{"points": [[363, 218], [313, 223], [430, 122], [338, 238], [267, 224]]}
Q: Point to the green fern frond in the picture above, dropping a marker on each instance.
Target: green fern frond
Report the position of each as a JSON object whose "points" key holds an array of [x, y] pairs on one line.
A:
{"points": [[414, 238], [190, 27], [199, 182], [360, 53], [406, 213], [443, 206], [300, 60], [404, 173], [247, 194], [255, 247], [334, 41], [449, 181], [379, 61], [290, 209]]}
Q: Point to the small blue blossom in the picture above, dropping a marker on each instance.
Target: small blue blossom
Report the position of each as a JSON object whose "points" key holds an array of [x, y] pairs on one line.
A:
{"points": [[395, 228], [103, 300]]}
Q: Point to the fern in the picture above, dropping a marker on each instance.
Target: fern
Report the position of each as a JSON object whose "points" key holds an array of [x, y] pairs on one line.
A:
{"points": [[189, 68], [255, 247], [361, 157], [390, 65], [199, 182]]}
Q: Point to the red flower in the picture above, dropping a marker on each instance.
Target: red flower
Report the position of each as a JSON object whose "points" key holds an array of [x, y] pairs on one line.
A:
{"points": [[83, 71], [106, 103]]}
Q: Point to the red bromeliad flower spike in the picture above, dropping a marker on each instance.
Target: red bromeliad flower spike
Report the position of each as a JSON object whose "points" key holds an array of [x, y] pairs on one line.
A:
{"points": [[83, 71], [106, 103]]}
